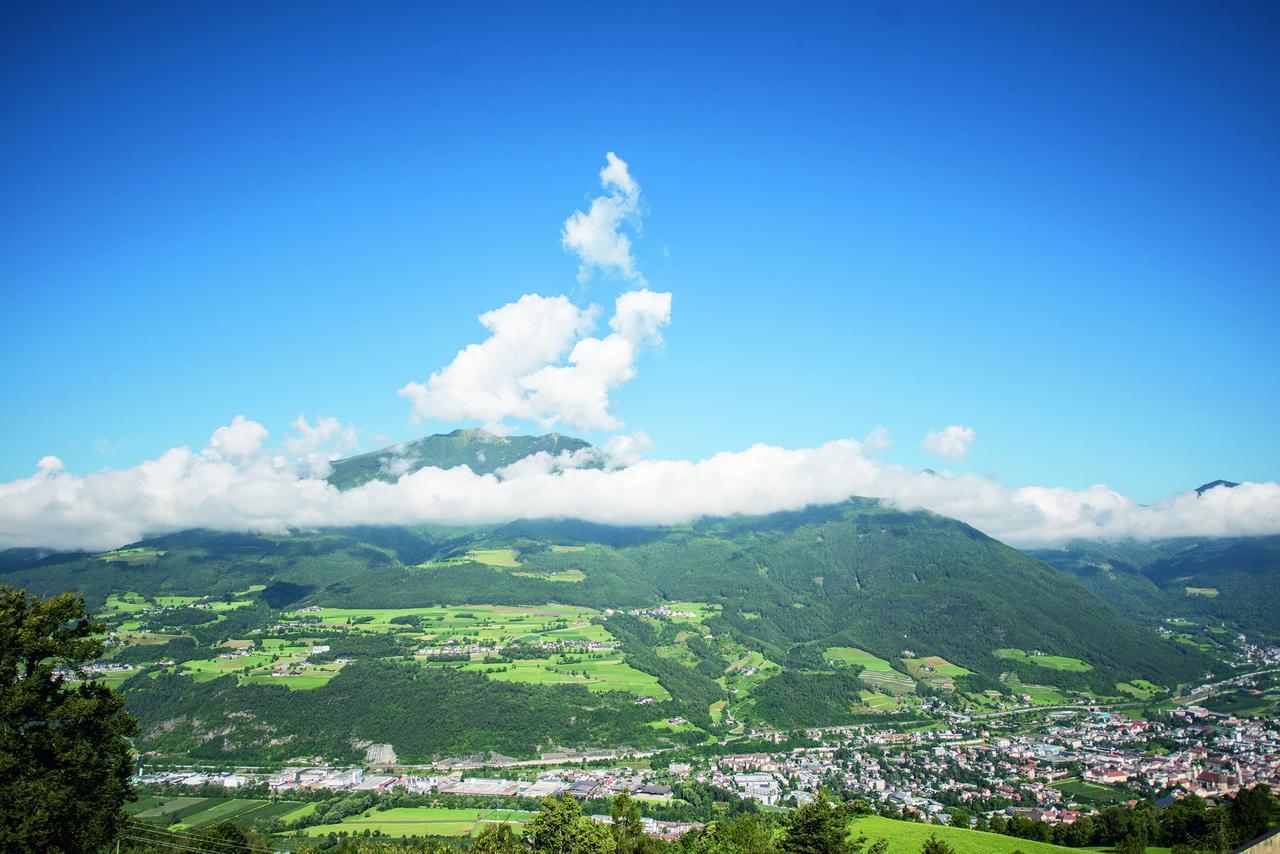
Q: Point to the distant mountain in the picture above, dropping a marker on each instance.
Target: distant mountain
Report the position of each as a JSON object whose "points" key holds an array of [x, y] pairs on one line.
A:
{"points": [[478, 450], [1214, 484], [1234, 580]]}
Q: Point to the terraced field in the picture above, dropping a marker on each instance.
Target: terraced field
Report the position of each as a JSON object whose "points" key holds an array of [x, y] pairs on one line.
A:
{"points": [[935, 671], [876, 672]]}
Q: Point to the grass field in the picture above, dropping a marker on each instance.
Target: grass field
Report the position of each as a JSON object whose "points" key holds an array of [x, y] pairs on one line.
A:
{"points": [[880, 702], [263, 664], [486, 622], [854, 656], [506, 558], [1041, 695], [569, 575], [1052, 662], [496, 558], [610, 673], [907, 837], [670, 727], [421, 821], [1140, 688], [1093, 793], [1202, 591], [114, 678]]}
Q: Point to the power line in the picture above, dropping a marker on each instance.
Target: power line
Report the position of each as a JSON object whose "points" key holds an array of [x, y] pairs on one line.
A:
{"points": [[142, 827], [187, 838], [150, 841]]}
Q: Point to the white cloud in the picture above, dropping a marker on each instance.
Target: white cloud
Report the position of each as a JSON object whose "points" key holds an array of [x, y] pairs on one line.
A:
{"points": [[539, 364], [952, 443], [596, 236], [482, 383], [877, 440], [50, 465], [316, 447], [255, 492], [239, 440]]}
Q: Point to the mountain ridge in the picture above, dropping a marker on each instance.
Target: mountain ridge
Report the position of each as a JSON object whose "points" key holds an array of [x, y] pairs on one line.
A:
{"points": [[477, 449]]}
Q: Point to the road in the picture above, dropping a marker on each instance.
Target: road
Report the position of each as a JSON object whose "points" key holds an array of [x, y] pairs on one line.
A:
{"points": [[1199, 693]]}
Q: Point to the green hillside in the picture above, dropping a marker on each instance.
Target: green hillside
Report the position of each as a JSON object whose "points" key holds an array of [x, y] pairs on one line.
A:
{"points": [[908, 837], [1234, 581], [824, 616], [479, 450]]}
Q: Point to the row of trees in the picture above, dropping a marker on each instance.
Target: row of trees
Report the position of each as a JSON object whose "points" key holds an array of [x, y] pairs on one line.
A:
{"points": [[1189, 824]]}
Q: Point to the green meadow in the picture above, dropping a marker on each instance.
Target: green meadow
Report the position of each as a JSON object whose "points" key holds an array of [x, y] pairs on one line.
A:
{"points": [[1051, 662], [421, 821], [1093, 793]]}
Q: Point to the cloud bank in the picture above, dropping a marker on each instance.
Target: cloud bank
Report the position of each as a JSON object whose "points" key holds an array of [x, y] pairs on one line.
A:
{"points": [[233, 484]]}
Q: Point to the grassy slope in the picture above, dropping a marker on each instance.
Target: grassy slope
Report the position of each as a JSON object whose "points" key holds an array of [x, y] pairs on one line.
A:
{"points": [[907, 837]]}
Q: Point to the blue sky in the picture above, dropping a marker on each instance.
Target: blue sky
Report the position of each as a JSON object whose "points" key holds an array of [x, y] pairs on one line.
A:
{"points": [[1055, 224]]}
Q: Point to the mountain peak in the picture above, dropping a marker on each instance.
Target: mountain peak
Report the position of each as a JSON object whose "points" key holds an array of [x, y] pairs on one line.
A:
{"points": [[1214, 484], [473, 447]]}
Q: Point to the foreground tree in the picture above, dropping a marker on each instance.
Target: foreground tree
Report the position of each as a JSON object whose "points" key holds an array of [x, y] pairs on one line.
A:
{"points": [[561, 828], [64, 754], [749, 833], [497, 839], [1252, 813], [821, 827]]}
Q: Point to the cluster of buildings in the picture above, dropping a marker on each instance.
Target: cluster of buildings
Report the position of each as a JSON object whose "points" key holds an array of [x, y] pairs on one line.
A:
{"points": [[194, 778], [580, 783], [1190, 751], [469, 649], [661, 612]]}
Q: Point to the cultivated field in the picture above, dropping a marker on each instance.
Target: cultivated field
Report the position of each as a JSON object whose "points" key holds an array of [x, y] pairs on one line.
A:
{"points": [[421, 821], [876, 672], [184, 812]]}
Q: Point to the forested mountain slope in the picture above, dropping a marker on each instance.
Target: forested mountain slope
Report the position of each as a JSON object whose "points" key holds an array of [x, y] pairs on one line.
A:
{"points": [[1233, 581]]}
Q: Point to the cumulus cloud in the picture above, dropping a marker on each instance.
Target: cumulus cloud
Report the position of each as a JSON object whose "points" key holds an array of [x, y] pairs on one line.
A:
{"points": [[254, 491], [315, 447], [539, 364], [951, 443], [239, 440], [596, 235]]}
